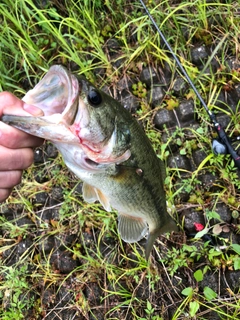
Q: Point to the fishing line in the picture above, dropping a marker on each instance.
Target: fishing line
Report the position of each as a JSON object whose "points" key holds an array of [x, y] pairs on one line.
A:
{"points": [[223, 145]]}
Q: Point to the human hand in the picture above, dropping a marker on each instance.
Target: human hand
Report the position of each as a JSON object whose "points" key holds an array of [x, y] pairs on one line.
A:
{"points": [[16, 152]]}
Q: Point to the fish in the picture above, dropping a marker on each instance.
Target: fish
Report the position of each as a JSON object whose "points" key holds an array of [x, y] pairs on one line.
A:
{"points": [[104, 146]]}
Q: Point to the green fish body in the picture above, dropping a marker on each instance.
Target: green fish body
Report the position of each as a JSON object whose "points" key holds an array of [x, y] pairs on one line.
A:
{"points": [[106, 148]]}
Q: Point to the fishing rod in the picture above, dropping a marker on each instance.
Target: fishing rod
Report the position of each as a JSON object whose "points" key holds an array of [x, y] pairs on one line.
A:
{"points": [[224, 144]]}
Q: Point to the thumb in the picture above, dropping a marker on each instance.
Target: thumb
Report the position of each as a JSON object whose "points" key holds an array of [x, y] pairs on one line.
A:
{"points": [[10, 104], [35, 111]]}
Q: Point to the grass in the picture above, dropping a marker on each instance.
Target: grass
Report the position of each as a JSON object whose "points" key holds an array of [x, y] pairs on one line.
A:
{"points": [[112, 280]]}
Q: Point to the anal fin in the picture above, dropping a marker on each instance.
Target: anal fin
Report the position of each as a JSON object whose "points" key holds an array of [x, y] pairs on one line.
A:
{"points": [[131, 229]]}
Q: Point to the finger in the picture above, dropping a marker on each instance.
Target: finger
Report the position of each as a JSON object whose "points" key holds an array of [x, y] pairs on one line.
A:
{"points": [[13, 138], [9, 179], [15, 159], [4, 194], [10, 104]]}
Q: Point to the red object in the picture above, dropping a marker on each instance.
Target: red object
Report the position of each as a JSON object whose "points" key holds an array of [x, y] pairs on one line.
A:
{"points": [[198, 226]]}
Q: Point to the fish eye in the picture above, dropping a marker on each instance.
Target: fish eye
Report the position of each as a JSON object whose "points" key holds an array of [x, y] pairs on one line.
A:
{"points": [[94, 98]]}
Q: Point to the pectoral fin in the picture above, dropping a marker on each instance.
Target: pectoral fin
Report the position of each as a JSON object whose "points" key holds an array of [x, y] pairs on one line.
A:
{"points": [[91, 194], [131, 229]]}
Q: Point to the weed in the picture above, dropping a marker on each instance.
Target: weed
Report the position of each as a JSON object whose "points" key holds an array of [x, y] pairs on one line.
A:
{"points": [[14, 292]]}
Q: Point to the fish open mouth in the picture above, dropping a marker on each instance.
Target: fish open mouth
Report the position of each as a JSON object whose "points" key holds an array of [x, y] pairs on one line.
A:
{"points": [[69, 119], [57, 96], [56, 93]]}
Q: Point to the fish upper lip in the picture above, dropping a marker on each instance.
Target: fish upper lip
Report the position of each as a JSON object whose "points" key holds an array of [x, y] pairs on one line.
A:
{"points": [[57, 92]]}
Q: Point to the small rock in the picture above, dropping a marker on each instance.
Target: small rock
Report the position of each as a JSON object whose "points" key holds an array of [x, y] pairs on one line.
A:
{"points": [[165, 73], [57, 194], [211, 280], [106, 245], [232, 64], [41, 198], [96, 314], [179, 87], [142, 290], [164, 118], [65, 240], [118, 61], [51, 151], [63, 261], [192, 216], [88, 239], [44, 215], [23, 246], [232, 99], [93, 294], [199, 55], [47, 244], [38, 156], [41, 176], [78, 189], [208, 180], [47, 297], [223, 120], [24, 221], [124, 85], [212, 68], [214, 315], [221, 100], [149, 76], [233, 280], [181, 196], [185, 111], [8, 213], [235, 238], [56, 197], [64, 296], [155, 96], [166, 137], [179, 161], [130, 102], [198, 156], [113, 46], [225, 213], [237, 90]]}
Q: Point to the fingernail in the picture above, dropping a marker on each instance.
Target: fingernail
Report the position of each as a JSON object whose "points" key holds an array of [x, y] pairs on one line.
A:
{"points": [[33, 110]]}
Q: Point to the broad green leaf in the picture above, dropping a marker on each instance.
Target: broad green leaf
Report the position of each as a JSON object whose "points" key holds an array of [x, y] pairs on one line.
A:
{"points": [[193, 308], [209, 293], [187, 292], [198, 275], [200, 130], [201, 233], [213, 215], [237, 264], [236, 248]]}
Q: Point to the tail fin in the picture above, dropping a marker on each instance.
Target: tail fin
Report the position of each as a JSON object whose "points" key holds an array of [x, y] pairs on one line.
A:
{"points": [[170, 226]]}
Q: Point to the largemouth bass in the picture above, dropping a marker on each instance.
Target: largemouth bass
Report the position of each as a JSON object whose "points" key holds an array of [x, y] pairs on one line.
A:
{"points": [[105, 147]]}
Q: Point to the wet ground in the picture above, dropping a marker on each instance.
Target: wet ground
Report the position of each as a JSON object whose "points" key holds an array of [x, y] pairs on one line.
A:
{"points": [[70, 267]]}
